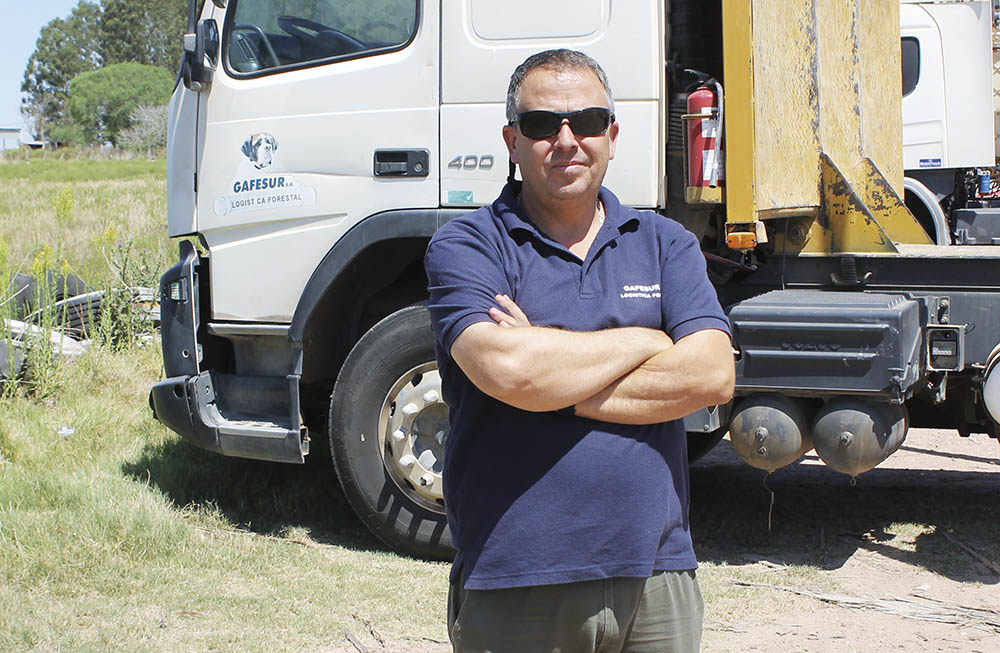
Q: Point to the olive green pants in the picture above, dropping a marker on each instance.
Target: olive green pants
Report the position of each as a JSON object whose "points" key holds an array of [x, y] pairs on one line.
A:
{"points": [[658, 614]]}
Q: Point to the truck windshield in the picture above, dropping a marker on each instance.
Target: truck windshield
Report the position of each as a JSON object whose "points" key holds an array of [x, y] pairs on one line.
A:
{"points": [[269, 34]]}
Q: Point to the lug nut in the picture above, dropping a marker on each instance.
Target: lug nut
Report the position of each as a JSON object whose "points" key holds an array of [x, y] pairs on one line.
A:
{"points": [[398, 435], [431, 396], [407, 461], [410, 409], [426, 479]]}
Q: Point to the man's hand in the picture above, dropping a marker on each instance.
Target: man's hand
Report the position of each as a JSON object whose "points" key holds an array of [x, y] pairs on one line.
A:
{"points": [[514, 316]]}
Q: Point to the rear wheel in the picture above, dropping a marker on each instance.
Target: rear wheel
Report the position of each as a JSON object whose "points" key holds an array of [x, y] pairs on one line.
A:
{"points": [[388, 425]]}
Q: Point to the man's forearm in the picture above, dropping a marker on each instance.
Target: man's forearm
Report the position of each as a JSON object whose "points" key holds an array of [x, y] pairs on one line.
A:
{"points": [[695, 373], [540, 369]]}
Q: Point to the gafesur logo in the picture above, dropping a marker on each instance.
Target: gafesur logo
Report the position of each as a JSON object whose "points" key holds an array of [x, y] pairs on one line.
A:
{"points": [[262, 182], [260, 148], [640, 291]]}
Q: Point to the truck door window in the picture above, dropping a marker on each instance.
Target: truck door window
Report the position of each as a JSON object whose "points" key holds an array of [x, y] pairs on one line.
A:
{"points": [[911, 63], [271, 35]]}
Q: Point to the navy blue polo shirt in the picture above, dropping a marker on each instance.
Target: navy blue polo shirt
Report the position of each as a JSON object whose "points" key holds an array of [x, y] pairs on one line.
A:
{"points": [[540, 498]]}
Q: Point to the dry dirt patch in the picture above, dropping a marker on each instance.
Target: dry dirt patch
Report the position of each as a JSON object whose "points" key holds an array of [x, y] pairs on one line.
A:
{"points": [[843, 568], [859, 567]]}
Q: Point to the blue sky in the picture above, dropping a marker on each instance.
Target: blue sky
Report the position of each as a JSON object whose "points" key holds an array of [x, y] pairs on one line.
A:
{"points": [[22, 23]]}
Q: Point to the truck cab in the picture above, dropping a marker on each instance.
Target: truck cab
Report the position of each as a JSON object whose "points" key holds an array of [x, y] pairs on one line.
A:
{"points": [[948, 115]]}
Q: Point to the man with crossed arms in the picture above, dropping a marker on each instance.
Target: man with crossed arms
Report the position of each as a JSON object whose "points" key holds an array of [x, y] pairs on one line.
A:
{"points": [[573, 334]]}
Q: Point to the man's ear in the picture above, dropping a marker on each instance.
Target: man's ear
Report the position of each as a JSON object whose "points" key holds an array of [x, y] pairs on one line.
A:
{"points": [[613, 135], [510, 139]]}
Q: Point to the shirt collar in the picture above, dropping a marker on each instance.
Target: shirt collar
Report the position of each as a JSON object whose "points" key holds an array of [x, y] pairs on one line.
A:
{"points": [[511, 214]]}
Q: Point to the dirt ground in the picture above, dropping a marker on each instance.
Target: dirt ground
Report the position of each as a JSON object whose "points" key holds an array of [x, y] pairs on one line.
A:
{"points": [[912, 540], [905, 559]]}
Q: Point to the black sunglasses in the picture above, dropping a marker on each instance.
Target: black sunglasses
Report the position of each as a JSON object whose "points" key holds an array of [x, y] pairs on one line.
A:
{"points": [[538, 125]]}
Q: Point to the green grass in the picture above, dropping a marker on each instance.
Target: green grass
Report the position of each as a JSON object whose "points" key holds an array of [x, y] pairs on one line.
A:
{"points": [[72, 169], [121, 537]]}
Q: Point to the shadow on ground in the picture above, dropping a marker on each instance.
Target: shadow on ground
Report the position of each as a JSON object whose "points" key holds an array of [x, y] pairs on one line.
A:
{"points": [[261, 497], [819, 519]]}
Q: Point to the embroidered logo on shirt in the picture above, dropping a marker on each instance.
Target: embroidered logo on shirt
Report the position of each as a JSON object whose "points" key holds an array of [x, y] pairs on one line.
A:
{"points": [[639, 291]]}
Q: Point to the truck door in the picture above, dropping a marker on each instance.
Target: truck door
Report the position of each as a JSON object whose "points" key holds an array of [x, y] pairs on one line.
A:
{"points": [[484, 40], [947, 88], [319, 114]]}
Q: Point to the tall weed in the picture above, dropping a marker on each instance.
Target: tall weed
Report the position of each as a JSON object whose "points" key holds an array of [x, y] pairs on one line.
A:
{"points": [[125, 316]]}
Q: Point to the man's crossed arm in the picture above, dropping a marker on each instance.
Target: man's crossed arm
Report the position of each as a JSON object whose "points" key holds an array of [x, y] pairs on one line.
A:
{"points": [[628, 375]]}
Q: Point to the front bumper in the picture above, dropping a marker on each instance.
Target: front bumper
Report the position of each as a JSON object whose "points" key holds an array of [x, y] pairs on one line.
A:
{"points": [[189, 406], [211, 408]]}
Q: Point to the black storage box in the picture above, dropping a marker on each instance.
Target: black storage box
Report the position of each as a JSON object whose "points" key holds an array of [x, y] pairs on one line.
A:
{"points": [[809, 343]]}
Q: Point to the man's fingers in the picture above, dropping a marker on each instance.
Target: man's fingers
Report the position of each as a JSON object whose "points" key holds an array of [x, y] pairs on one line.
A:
{"points": [[501, 318], [513, 310]]}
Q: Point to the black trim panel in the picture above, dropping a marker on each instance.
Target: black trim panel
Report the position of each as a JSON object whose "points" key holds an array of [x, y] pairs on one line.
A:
{"points": [[414, 223]]}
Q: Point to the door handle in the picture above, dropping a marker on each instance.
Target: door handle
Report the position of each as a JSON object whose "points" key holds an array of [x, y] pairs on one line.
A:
{"points": [[402, 163]]}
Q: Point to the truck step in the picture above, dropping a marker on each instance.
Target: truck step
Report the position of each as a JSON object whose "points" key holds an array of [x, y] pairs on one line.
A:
{"points": [[254, 428]]}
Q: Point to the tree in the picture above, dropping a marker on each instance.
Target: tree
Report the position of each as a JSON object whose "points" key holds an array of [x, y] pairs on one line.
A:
{"points": [[65, 48], [149, 32], [101, 101], [148, 131]]}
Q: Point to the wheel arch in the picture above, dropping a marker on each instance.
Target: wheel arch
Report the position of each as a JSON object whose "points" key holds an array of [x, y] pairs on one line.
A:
{"points": [[922, 202], [375, 269]]}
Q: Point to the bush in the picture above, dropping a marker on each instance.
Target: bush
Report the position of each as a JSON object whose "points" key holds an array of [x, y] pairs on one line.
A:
{"points": [[148, 132]]}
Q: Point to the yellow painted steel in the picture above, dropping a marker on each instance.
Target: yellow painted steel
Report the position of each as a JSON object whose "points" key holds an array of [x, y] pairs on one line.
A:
{"points": [[786, 111], [740, 136], [704, 195], [851, 224], [888, 209], [813, 121], [880, 101]]}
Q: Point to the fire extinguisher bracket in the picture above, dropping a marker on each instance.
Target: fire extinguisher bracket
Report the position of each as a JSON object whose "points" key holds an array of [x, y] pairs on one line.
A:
{"points": [[704, 195], [699, 194]]}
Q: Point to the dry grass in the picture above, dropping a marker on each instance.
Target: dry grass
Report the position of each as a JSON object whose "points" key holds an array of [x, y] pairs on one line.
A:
{"points": [[105, 214]]}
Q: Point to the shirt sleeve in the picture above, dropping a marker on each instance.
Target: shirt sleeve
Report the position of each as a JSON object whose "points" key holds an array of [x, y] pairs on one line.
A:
{"points": [[464, 275], [688, 299]]}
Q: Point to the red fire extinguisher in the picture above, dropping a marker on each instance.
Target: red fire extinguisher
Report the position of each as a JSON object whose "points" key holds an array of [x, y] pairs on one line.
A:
{"points": [[704, 137]]}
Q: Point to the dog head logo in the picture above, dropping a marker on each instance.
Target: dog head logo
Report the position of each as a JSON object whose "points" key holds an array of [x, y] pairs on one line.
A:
{"points": [[260, 148]]}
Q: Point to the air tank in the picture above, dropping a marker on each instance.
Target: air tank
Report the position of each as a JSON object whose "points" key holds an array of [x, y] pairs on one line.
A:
{"points": [[770, 431], [852, 435], [991, 386]]}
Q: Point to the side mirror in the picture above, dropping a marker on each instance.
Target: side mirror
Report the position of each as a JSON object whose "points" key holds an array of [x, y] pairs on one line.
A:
{"points": [[201, 54]]}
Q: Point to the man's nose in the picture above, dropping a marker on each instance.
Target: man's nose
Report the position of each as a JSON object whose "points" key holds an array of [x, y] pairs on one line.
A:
{"points": [[565, 137]]}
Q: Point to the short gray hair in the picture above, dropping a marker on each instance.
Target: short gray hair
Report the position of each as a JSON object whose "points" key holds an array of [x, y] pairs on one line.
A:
{"points": [[560, 59]]}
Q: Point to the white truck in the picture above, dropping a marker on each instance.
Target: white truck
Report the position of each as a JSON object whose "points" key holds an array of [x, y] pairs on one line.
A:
{"points": [[316, 145], [948, 115]]}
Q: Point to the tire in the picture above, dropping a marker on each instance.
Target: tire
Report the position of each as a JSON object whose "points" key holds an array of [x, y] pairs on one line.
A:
{"points": [[387, 430]]}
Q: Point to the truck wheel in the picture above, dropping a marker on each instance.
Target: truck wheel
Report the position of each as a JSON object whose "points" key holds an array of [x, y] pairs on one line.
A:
{"points": [[388, 424]]}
